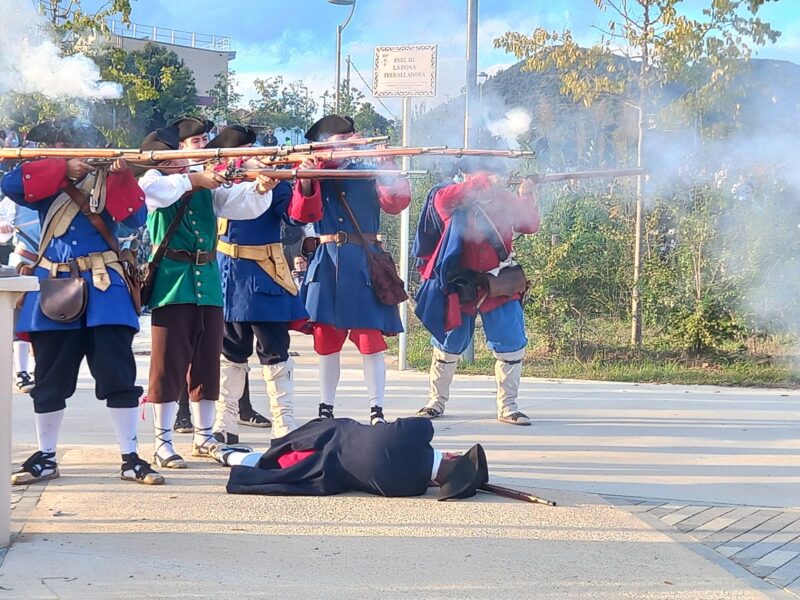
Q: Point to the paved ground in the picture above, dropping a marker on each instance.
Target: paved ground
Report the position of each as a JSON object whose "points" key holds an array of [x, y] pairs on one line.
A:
{"points": [[663, 491]]}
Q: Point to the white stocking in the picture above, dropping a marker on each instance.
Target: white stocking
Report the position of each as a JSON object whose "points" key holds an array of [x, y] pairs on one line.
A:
{"points": [[126, 423], [375, 377], [329, 369], [47, 427], [163, 418]]}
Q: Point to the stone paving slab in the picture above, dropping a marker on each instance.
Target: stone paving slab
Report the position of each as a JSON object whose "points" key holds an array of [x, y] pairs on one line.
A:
{"points": [[765, 542]]}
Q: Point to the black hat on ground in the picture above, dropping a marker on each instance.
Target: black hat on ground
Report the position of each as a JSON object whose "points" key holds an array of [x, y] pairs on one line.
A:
{"points": [[233, 137], [67, 130], [461, 477], [330, 125], [192, 126]]}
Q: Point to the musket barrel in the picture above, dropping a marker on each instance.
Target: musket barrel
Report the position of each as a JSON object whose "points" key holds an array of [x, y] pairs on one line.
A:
{"points": [[284, 174], [553, 177]]}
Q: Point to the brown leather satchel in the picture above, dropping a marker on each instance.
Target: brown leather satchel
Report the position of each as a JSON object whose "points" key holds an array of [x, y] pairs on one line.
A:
{"points": [[386, 283], [64, 299], [509, 281], [147, 271]]}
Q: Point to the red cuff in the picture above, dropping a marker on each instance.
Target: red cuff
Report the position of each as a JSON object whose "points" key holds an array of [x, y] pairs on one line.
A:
{"points": [[293, 457], [44, 178], [306, 209], [452, 317], [124, 197], [394, 198]]}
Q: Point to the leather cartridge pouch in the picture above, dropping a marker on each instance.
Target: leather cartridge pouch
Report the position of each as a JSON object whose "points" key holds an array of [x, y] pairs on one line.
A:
{"points": [[63, 299], [386, 283], [509, 281]]}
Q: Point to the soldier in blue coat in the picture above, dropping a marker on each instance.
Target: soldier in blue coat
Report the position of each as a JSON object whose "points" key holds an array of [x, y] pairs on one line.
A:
{"points": [[337, 288], [261, 301], [103, 332]]}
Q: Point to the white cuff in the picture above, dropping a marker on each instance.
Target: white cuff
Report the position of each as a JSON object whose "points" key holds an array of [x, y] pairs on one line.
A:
{"points": [[437, 461]]}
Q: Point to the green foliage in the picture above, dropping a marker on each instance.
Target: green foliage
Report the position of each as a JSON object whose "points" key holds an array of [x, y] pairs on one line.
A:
{"points": [[157, 88], [289, 106], [224, 97]]}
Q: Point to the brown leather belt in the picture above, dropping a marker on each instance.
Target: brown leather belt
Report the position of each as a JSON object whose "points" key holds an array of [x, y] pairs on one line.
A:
{"points": [[343, 237], [25, 253], [198, 257]]}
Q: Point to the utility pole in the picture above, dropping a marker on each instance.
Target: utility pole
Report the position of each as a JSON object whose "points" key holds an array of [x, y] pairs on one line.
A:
{"points": [[469, 103], [347, 79]]}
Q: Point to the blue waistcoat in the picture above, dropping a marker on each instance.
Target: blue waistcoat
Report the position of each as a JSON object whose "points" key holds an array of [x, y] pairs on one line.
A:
{"points": [[250, 295], [337, 289], [110, 307]]}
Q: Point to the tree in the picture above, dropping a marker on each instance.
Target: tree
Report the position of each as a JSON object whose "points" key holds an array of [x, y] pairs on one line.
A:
{"points": [[70, 22], [667, 46], [224, 97], [370, 122], [288, 106], [157, 88]]}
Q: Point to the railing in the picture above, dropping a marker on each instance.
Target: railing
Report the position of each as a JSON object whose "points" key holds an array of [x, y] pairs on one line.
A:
{"points": [[164, 35]]}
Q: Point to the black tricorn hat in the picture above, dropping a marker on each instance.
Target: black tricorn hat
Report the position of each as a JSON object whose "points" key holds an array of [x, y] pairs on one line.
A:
{"points": [[330, 125], [192, 126], [233, 136], [68, 130], [166, 138], [461, 477]]}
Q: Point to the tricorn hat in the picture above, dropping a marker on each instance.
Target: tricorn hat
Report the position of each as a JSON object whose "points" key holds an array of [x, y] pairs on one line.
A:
{"points": [[462, 476], [165, 138], [192, 126], [330, 125], [67, 130], [233, 136]]}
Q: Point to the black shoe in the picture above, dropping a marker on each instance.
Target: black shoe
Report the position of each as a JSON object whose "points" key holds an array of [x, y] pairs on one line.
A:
{"points": [[254, 419], [139, 470], [183, 424], [40, 466], [25, 383], [226, 438], [325, 411], [376, 415]]}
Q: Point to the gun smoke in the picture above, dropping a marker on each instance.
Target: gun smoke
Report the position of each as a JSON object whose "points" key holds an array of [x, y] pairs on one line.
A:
{"points": [[30, 62]]}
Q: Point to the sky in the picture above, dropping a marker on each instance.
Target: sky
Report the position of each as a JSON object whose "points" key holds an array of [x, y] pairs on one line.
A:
{"points": [[297, 38]]}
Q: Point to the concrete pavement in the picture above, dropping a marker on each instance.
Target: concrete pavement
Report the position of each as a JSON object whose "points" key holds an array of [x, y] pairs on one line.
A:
{"points": [[648, 477]]}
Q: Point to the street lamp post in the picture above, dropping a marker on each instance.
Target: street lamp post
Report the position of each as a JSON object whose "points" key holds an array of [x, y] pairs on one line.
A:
{"points": [[339, 29]]}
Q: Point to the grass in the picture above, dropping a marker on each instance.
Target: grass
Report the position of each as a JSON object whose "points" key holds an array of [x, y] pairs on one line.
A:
{"points": [[620, 364]]}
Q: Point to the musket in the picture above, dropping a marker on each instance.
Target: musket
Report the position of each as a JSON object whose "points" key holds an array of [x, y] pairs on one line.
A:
{"points": [[134, 155], [507, 492], [388, 152], [552, 177], [286, 174]]}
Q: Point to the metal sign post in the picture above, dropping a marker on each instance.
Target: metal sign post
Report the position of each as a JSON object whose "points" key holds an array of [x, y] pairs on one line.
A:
{"points": [[405, 71]]}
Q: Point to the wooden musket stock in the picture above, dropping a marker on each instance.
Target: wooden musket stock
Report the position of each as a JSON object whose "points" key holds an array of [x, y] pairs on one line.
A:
{"points": [[506, 492]]}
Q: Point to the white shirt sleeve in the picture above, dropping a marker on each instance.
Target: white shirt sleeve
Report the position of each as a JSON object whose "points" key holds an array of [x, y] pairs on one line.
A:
{"points": [[437, 461], [240, 201], [163, 190], [7, 211]]}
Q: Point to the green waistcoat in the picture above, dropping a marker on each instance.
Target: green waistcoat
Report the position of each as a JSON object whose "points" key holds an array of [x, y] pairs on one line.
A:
{"points": [[179, 282]]}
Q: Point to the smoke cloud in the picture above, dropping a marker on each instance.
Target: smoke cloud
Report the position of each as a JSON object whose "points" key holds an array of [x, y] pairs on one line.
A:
{"points": [[31, 63], [515, 123]]}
